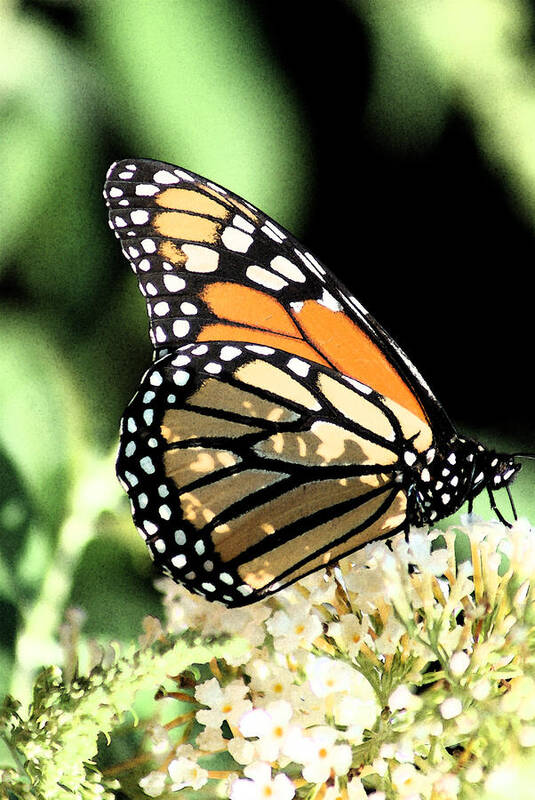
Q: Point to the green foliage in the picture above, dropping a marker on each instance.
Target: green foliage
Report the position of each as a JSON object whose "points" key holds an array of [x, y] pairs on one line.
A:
{"points": [[195, 83], [164, 79], [55, 745]]}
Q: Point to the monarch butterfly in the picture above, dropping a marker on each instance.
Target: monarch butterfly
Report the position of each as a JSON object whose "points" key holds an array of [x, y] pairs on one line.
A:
{"points": [[279, 427]]}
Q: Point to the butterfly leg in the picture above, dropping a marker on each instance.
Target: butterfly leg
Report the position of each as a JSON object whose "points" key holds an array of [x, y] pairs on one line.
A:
{"points": [[497, 511], [511, 501]]}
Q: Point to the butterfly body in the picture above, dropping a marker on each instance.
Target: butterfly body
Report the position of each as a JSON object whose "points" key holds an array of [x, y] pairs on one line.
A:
{"points": [[279, 427]]}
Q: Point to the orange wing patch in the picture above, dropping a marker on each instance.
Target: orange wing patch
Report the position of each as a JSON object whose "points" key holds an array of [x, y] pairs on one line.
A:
{"points": [[334, 339], [191, 200], [234, 302], [218, 332], [351, 351]]}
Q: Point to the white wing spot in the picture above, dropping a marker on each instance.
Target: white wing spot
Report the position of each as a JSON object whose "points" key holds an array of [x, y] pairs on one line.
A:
{"points": [[131, 478], [243, 224], [329, 301], [180, 361], [313, 266], [260, 349], [264, 278], [148, 245], [180, 377], [361, 387], [147, 466], [139, 216], [185, 176], [299, 367], [173, 283], [199, 258], [146, 190], [236, 240], [228, 352], [272, 234], [213, 368], [164, 176], [161, 308], [273, 228], [181, 328], [287, 268]]}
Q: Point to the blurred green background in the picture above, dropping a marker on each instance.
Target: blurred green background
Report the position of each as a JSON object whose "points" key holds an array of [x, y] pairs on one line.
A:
{"points": [[396, 139]]}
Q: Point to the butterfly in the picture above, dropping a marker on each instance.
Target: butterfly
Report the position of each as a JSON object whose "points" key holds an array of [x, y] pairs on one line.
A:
{"points": [[279, 427]]}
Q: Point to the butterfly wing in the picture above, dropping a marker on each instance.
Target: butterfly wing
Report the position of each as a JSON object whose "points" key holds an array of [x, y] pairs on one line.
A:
{"points": [[212, 267], [248, 468], [271, 435]]}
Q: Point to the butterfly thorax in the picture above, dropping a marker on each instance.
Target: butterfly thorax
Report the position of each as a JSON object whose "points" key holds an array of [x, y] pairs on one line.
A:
{"points": [[440, 482]]}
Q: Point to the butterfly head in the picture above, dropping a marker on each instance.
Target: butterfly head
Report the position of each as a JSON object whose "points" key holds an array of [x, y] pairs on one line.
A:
{"points": [[458, 474]]}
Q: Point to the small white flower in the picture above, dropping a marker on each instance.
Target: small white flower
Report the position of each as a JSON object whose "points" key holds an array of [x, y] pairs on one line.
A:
{"points": [[459, 662], [226, 703], [447, 787], [481, 689], [241, 750], [451, 707], [268, 678], [388, 642], [211, 740], [319, 753], [158, 736], [185, 772], [153, 784], [356, 791], [407, 781], [326, 676], [356, 713], [418, 551], [296, 627], [401, 697], [270, 726], [349, 633], [259, 785]]}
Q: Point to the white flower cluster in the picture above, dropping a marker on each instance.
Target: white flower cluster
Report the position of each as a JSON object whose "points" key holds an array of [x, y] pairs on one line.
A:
{"points": [[358, 680]]}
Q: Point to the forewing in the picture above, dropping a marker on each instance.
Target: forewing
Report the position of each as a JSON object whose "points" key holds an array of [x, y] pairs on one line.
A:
{"points": [[212, 267]]}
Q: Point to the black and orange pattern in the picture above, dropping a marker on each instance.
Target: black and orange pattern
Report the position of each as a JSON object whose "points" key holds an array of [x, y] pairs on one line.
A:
{"points": [[280, 427]]}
